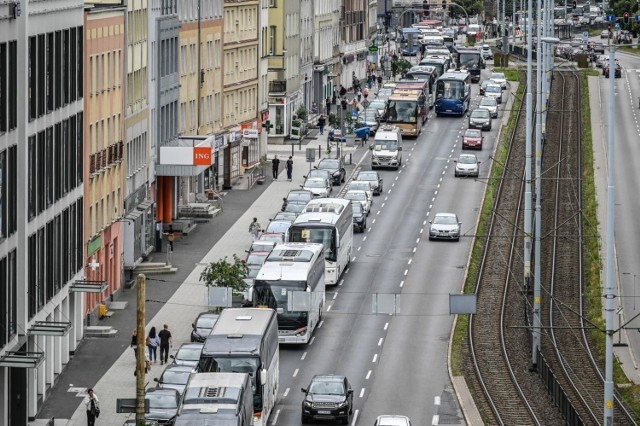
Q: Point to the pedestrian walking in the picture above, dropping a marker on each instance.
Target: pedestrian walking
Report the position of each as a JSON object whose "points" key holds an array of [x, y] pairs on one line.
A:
{"points": [[152, 343], [328, 104], [93, 407], [254, 229], [379, 82], [343, 90], [289, 168], [275, 166], [359, 95], [321, 123], [165, 343], [134, 342]]}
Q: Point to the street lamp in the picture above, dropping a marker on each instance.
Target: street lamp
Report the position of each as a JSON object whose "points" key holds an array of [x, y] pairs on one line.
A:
{"points": [[549, 41]]}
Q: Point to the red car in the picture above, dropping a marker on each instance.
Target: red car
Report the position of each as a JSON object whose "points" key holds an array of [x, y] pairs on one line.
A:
{"points": [[472, 139]]}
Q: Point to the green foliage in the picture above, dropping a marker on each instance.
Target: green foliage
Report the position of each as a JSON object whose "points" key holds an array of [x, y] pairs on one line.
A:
{"points": [[302, 113], [225, 274], [400, 66]]}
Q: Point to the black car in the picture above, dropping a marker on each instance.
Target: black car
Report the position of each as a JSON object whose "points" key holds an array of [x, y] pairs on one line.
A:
{"points": [[359, 217], [373, 177], [175, 377], [480, 119], [203, 326], [335, 166], [328, 397], [163, 405], [297, 196]]}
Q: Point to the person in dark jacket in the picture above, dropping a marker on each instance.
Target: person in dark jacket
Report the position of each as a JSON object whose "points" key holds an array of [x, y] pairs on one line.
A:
{"points": [[275, 166], [321, 123]]}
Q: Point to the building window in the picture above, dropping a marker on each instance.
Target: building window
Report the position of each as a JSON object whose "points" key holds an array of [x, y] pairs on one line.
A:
{"points": [[272, 40]]}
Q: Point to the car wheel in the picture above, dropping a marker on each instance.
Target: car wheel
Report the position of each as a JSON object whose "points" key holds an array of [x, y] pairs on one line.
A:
{"points": [[456, 174], [345, 421]]}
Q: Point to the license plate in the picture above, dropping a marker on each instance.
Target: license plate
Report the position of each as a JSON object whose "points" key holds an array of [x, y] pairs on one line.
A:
{"points": [[324, 412]]}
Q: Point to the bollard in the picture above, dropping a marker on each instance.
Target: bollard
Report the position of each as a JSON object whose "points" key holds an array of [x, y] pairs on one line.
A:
{"points": [[319, 151], [350, 158]]}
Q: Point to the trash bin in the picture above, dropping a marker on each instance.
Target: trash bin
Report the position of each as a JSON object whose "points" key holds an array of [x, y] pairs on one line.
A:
{"points": [[350, 140]]}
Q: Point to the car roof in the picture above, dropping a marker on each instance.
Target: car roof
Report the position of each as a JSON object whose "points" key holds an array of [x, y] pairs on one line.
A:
{"points": [[467, 155], [444, 214], [191, 345], [355, 191], [328, 378], [208, 314], [176, 367], [392, 420]]}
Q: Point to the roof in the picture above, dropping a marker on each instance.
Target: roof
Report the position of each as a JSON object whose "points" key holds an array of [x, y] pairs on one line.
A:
{"points": [[454, 75], [238, 330]]}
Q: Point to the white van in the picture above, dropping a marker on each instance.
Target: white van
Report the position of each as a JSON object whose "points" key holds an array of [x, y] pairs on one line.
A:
{"points": [[473, 29], [387, 148]]}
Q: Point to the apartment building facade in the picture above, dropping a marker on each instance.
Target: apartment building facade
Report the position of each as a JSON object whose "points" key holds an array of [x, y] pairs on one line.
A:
{"points": [[41, 199], [138, 223], [241, 119], [354, 40], [326, 49], [103, 165]]}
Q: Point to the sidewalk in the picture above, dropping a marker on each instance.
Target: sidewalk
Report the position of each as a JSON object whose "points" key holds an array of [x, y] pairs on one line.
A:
{"points": [[107, 364]]}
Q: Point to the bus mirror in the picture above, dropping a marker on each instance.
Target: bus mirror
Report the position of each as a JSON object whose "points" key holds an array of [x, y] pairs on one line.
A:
{"points": [[263, 376], [371, 146], [399, 148]]}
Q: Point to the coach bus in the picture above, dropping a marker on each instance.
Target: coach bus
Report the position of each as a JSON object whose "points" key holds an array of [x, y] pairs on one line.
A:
{"points": [[291, 281], [407, 110], [328, 221], [245, 340], [453, 93], [420, 81], [470, 59]]}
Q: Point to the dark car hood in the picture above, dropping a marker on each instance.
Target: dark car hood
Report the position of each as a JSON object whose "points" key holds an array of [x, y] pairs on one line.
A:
{"points": [[325, 398]]}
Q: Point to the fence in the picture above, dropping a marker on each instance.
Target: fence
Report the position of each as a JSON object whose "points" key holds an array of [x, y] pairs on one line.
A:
{"points": [[557, 393]]}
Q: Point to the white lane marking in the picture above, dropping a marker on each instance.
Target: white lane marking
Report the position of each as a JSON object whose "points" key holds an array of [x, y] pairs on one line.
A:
{"points": [[389, 192], [329, 308], [402, 283], [421, 230], [304, 355], [409, 262], [374, 221], [275, 417], [393, 184], [386, 198], [369, 230], [380, 341], [364, 239], [397, 177], [417, 240], [359, 248], [286, 392], [368, 375], [436, 419], [378, 212], [342, 280], [295, 373], [375, 358], [414, 249], [312, 339], [424, 223], [436, 400], [354, 259], [361, 392], [386, 325], [335, 295], [320, 324], [355, 418], [406, 271], [382, 205]]}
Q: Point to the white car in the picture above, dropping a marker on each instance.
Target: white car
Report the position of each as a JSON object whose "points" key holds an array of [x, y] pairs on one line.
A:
{"points": [[467, 165], [394, 420], [490, 104], [500, 79], [319, 187], [361, 196], [445, 226], [493, 91], [486, 52], [362, 185]]}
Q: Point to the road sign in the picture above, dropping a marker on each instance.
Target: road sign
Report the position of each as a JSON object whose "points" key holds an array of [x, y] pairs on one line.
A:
{"points": [[365, 103], [354, 113], [585, 35], [617, 26], [611, 18], [373, 48], [637, 18]]}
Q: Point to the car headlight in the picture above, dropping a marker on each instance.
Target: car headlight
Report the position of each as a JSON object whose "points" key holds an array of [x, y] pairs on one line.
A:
{"points": [[308, 404], [342, 404]]}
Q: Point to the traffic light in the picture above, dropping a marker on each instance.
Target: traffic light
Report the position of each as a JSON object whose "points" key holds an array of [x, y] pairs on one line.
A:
{"points": [[625, 18], [425, 6], [575, 4], [444, 4]]}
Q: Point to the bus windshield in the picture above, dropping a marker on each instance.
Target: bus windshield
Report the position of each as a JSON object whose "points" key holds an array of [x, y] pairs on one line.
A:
{"points": [[402, 111], [241, 364], [469, 60], [275, 295], [325, 236], [450, 90]]}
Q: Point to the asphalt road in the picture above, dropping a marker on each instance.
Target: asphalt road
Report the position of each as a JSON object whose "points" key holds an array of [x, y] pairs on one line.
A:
{"points": [[398, 364]]}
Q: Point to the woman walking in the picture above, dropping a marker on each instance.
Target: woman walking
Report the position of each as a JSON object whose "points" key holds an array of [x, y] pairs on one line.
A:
{"points": [[152, 343], [93, 407]]}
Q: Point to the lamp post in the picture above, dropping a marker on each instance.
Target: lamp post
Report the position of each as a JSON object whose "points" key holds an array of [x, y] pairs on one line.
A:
{"points": [[527, 170], [538, 208]]}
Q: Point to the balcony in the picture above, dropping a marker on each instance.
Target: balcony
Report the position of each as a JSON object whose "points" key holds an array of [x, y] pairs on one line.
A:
{"points": [[278, 86], [107, 157]]}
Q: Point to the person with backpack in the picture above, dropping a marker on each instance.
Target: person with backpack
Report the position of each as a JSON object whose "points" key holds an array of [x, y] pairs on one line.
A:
{"points": [[152, 344]]}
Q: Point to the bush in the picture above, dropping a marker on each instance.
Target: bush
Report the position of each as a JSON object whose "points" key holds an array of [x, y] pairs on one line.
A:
{"points": [[225, 274]]}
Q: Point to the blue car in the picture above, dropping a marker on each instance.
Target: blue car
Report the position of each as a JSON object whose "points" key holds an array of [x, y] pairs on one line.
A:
{"points": [[410, 50], [361, 132]]}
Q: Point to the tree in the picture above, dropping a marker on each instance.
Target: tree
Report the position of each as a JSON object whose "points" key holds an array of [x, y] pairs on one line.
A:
{"points": [[225, 274]]}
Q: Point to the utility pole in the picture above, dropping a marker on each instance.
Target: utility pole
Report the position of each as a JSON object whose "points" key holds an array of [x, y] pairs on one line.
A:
{"points": [[140, 358], [610, 267], [528, 148]]}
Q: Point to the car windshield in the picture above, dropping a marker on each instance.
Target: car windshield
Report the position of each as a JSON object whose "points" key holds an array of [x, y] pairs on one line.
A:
{"points": [[467, 159], [276, 238], [445, 220], [488, 102], [493, 89], [278, 227], [497, 76], [315, 183], [206, 321], [189, 353], [327, 388], [357, 196], [329, 165], [317, 173], [472, 133], [362, 186], [295, 207], [367, 176], [161, 400], [285, 216], [298, 196], [385, 145], [255, 259], [369, 114], [175, 377], [480, 113], [357, 209], [385, 92]]}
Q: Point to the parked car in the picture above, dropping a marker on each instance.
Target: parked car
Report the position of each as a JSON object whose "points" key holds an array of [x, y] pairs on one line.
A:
{"points": [[472, 138], [499, 78], [297, 195], [285, 216], [272, 237], [175, 377], [411, 50], [373, 177], [378, 105], [480, 119], [163, 405], [202, 326], [486, 52], [484, 84], [335, 166], [490, 104], [319, 187], [295, 207], [493, 91], [279, 227], [263, 245], [359, 217], [317, 173], [445, 226], [254, 262], [188, 354], [360, 196], [360, 130], [328, 397], [362, 185], [371, 118], [394, 420], [467, 165]]}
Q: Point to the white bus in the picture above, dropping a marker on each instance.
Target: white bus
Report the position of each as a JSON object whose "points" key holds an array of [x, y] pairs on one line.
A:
{"points": [[328, 221], [291, 281], [245, 340]]}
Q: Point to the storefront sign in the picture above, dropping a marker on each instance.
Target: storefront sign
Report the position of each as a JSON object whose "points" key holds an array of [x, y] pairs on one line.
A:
{"points": [[347, 59], [202, 156], [219, 142], [185, 155], [250, 133]]}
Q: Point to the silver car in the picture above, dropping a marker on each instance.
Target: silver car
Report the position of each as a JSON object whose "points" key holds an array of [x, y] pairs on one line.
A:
{"points": [[362, 185], [499, 78], [467, 165], [319, 187], [493, 91], [362, 197], [445, 226], [490, 104]]}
